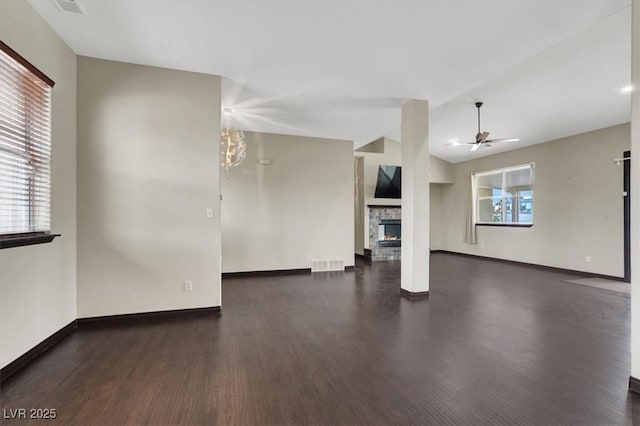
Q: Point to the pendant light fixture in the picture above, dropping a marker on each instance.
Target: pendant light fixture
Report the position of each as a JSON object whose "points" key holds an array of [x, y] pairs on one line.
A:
{"points": [[232, 144]]}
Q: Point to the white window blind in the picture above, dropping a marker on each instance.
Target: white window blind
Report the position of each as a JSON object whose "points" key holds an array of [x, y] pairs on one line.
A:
{"points": [[25, 146]]}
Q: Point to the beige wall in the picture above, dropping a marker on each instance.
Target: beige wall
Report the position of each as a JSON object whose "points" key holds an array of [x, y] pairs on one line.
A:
{"points": [[38, 283], [437, 229], [297, 209], [441, 171], [148, 168], [390, 155], [578, 205]]}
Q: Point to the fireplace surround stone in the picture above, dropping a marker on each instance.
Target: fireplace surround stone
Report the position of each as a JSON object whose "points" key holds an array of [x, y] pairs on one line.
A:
{"points": [[380, 248]]}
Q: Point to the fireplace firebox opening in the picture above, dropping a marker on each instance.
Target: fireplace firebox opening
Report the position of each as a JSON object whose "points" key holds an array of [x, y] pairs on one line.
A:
{"points": [[389, 233]]}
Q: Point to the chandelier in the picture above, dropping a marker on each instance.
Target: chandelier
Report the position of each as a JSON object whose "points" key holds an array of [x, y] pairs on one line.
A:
{"points": [[232, 145]]}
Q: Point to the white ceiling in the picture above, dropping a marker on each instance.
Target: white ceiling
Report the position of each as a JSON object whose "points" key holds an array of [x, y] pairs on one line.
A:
{"points": [[342, 69]]}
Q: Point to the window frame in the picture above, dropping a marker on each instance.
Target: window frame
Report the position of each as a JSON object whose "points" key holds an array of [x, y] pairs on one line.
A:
{"points": [[503, 199], [17, 238]]}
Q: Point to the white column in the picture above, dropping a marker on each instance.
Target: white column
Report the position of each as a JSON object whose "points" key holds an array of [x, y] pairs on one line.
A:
{"points": [[635, 195], [414, 280]]}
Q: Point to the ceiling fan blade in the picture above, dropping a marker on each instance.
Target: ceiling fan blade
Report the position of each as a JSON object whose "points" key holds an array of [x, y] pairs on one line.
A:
{"points": [[475, 147], [460, 144], [503, 140]]}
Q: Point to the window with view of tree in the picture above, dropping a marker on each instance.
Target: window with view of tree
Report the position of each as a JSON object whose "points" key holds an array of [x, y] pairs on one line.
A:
{"points": [[505, 196], [25, 146]]}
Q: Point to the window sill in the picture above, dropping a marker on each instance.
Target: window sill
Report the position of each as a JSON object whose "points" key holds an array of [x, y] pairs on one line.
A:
{"points": [[9, 241], [507, 225]]}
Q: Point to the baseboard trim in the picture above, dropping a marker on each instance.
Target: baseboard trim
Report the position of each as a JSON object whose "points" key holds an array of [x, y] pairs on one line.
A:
{"points": [[270, 273], [414, 295], [124, 319], [534, 265], [275, 272], [32, 354], [634, 384], [367, 255]]}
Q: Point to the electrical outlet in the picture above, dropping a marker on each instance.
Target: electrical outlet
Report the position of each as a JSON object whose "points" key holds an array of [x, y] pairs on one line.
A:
{"points": [[587, 259], [209, 212], [188, 285]]}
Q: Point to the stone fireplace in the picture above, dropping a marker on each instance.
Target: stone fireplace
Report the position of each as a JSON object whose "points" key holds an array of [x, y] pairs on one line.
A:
{"points": [[384, 233]]}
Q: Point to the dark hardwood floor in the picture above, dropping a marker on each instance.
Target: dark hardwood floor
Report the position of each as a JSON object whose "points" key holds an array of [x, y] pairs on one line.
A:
{"points": [[493, 344]]}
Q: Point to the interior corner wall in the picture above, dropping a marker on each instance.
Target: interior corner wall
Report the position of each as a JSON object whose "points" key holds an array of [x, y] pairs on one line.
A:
{"points": [[441, 171], [441, 175], [148, 170], [436, 229], [296, 209], [38, 283], [577, 210]]}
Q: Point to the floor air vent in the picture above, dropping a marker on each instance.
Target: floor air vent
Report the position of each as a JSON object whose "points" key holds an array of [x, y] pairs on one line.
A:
{"points": [[327, 265]]}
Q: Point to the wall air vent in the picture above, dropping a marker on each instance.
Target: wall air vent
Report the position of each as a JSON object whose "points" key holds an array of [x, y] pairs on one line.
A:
{"points": [[327, 265], [70, 6]]}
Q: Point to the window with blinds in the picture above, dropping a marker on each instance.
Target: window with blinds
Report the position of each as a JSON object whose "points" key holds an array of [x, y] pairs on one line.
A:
{"points": [[25, 146]]}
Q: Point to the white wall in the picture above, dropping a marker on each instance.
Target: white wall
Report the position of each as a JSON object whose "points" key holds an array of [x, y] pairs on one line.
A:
{"points": [[578, 205], [298, 208], [38, 283], [359, 233], [385, 151], [635, 184], [148, 168]]}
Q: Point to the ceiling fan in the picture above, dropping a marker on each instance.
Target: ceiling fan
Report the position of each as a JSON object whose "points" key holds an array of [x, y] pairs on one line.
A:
{"points": [[482, 137]]}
